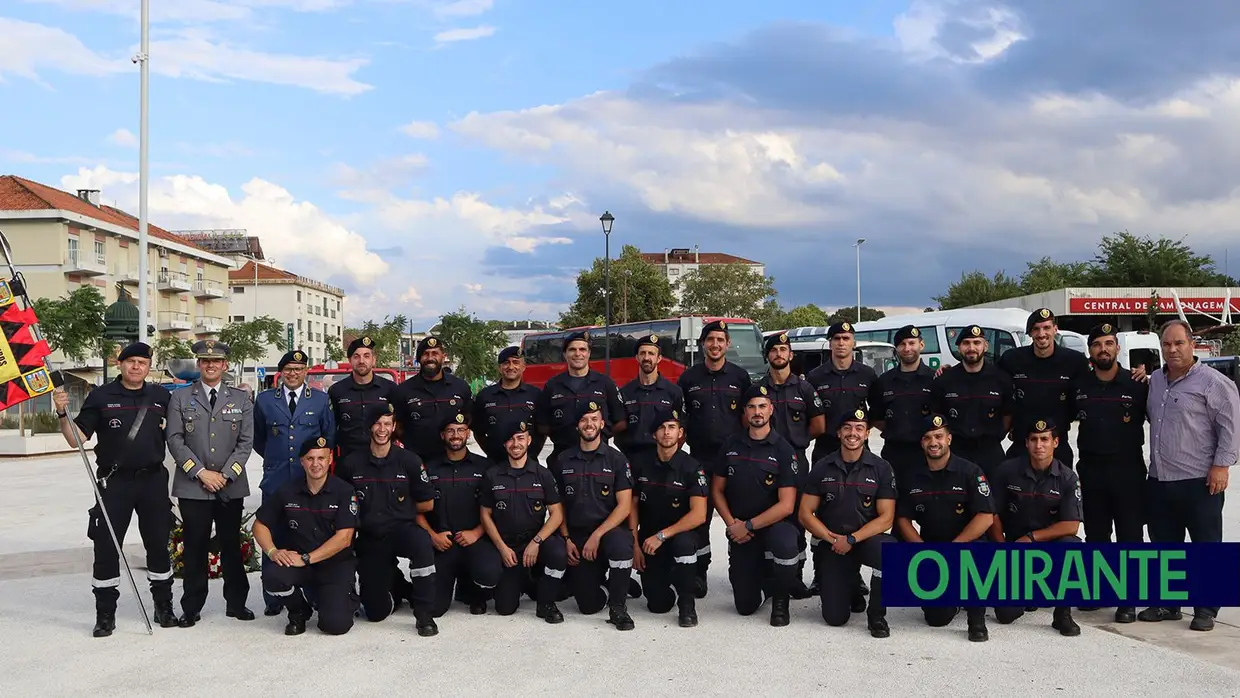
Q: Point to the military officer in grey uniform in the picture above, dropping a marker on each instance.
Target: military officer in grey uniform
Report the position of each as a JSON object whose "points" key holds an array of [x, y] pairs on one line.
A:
{"points": [[210, 436]]}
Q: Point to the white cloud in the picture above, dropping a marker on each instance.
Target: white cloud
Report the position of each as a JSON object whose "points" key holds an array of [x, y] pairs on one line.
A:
{"points": [[187, 11], [411, 296], [464, 34], [464, 8], [472, 289], [421, 129], [26, 47], [123, 138], [216, 150], [23, 157]]}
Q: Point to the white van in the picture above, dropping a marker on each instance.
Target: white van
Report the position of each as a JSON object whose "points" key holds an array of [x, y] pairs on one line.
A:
{"points": [[811, 352], [1140, 349]]}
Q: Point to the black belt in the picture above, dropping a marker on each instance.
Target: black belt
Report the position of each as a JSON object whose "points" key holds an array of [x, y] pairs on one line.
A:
{"points": [[117, 471]]}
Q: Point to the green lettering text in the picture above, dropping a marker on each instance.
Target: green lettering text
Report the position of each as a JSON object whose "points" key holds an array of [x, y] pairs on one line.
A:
{"points": [[1073, 576], [1102, 568], [944, 576], [970, 577], [1033, 575], [1166, 575], [1143, 558]]}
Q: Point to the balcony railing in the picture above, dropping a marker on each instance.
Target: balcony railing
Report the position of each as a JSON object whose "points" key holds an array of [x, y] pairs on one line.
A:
{"points": [[174, 281], [170, 321], [205, 288], [85, 263], [204, 324]]}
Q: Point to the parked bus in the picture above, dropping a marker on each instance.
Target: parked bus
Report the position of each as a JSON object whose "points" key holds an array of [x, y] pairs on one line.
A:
{"points": [[544, 354]]}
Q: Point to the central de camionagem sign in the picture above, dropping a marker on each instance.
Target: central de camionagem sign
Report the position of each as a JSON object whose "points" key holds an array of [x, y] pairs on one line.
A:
{"points": [[1061, 574]]}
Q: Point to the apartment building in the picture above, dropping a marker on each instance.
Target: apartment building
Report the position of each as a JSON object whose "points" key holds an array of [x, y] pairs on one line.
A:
{"points": [[674, 263], [313, 310]]}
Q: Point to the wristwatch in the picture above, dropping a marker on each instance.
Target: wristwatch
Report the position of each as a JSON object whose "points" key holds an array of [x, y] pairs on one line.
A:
{"points": [[851, 540], [538, 539], [1031, 538], [749, 526], [660, 536], [305, 557], [62, 415]]}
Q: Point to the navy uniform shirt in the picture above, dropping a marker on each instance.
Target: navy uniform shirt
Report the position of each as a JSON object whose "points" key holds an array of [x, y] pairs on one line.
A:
{"points": [[850, 492], [1042, 388], [943, 502], [305, 521], [712, 404], [974, 403], [109, 413], [496, 406], [1027, 500], [458, 489], [755, 472], [1111, 415], [421, 407], [641, 402], [663, 488], [563, 395], [795, 404], [588, 482], [518, 499], [349, 400], [901, 400], [388, 489], [842, 393]]}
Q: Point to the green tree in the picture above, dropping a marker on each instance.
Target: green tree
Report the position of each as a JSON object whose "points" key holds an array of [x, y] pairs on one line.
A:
{"points": [[1231, 343], [639, 291], [975, 287], [250, 341], [335, 352], [727, 290], [1124, 259], [770, 316], [1047, 275], [849, 314], [387, 336], [73, 324], [171, 347], [472, 344], [808, 315]]}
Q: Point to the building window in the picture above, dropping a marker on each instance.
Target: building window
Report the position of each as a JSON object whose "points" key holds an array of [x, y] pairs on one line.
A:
{"points": [[333, 315], [73, 251], [299, 296], [238, 318], [673, 272], [309, 309], [299, 324], [238, 289], [101, 250], [337, 305], [318, 310]]}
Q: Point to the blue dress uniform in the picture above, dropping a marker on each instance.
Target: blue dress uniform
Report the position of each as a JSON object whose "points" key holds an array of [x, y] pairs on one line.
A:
{"points": [[421, 405], [642, 402], [280, 430], [943, 503], [388, 490], [563, 396], [458, 491], [133, 480], [496, 406], [901, 401], [975, 405], [664, 490], [841, 393], [518, 499], [589, 482], [306, 520], [755, 470]]}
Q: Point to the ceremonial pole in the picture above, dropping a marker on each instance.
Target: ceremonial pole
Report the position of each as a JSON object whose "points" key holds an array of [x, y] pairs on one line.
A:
{"points": [[144, 169]]}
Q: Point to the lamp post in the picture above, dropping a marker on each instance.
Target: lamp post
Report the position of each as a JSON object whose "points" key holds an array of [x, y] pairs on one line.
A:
{"points": [[858, 246], [607, 219], [144, 170]]}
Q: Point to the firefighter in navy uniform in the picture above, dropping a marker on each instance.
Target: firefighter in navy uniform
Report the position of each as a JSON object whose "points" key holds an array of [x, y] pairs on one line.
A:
{"points": [[521, 513], [318, 514], [900, 402], [842, 385], [713, 391], [976, 397], [1038, 500], [647, 394], [128, 416], [511, 400], [392, 488], [949, 500], [671, 492], [564, 394], [755, 491], [597, 492], [352, 394], [464, 556], [1110, 407], [849, 503], [423, 401], [1044, 376]]}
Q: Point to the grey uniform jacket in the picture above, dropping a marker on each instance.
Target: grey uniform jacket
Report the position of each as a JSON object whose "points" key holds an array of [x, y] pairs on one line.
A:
{"points": [[201, 438]]}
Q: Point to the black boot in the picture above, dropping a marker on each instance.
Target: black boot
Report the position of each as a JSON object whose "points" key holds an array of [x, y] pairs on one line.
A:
{"points": [[478, 607], [1064, 624], [426, 625], [878, 627], [165, 616], [550, 613], [619, 617], [1125, 614], [105, 623], [779, 611], [296, 625], [688, 612], [977, 630]]}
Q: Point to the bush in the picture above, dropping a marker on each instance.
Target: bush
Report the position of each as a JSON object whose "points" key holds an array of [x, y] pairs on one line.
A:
{"points": [[36, 423]]}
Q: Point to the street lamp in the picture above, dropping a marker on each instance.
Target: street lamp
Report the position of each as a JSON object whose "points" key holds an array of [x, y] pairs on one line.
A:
{"points": [[858, 246], [607, 219]]}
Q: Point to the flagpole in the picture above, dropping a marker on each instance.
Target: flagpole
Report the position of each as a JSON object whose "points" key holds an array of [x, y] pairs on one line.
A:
{"points": [[144, 172]]}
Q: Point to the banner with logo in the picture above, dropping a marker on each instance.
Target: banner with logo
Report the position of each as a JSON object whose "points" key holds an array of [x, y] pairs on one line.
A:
{"points": [[22, 372]]}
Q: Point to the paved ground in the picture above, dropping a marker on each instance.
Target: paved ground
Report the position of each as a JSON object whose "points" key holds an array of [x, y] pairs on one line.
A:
{"points": [[46, 616]]}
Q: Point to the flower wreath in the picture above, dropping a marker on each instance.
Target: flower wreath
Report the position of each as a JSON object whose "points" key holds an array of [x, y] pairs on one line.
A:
{"points": [[250, 555]]}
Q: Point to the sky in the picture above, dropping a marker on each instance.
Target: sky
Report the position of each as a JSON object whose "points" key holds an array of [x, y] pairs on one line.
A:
{"points": [[431, 154]]}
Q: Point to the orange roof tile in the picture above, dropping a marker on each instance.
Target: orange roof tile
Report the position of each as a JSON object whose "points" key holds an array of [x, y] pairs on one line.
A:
{"points": [[265, 273], [700, 258]]}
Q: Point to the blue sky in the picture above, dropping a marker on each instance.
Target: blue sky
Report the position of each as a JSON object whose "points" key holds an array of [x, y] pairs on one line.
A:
{"points": [[427, 154]]}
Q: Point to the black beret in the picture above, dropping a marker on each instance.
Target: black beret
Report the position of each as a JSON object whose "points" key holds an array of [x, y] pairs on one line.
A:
{"points": [[363, 342], [296, 356], [856, 416], [1043, 425], [578, 336], [715, 326], [510, 352], [1039, 315], [588, 407], [969, 332], [934, 421], [756, 391], [647, 340], [663, 415], [840, 328], [775, 340], [455, 417], [375, 411], [906, 332], [138, 349], [210, 349], [429, 342], [507, 430], [1104, 330], [310, 444]]}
